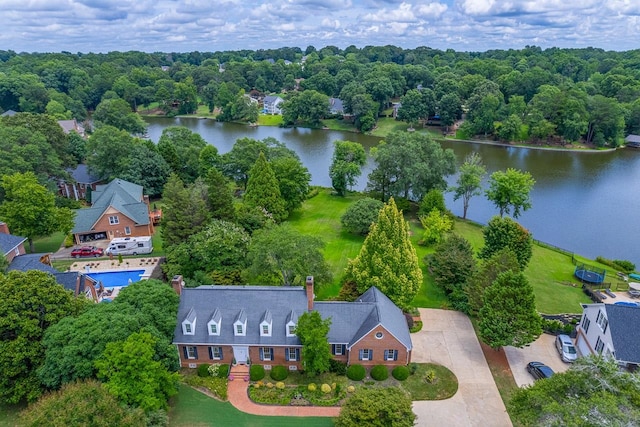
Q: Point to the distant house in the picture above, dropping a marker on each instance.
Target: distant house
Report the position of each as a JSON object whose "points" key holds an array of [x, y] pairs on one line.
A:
{"points": [[632, 141], [69, 126], [10, 246], [396, 107], [77, 187], [118, 209], [256, 324], [336, 106], [271, 104], [8, 113], [610, 330], [78, 283]]}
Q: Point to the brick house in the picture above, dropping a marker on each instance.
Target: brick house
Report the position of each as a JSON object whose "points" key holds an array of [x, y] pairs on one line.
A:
{"points": [[118, 209], [81, 179], [10, 246], [256, 324]]}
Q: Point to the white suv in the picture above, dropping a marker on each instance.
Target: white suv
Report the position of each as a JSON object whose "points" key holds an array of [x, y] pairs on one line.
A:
{"points": [[566, 349]]}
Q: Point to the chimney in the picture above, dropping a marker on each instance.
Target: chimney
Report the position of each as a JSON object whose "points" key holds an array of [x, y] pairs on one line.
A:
{"points": [[310, 295], [4, 228], [177, 284]]}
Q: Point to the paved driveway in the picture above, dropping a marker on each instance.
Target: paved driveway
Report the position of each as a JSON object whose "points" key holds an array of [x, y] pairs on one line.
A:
{"points": [[542, 350], [448, 338]]}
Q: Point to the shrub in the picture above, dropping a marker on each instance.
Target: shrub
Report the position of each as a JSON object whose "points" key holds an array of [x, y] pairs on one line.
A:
{"points": [[279, 373], [552, 326], [360, 215], [325, 388], [379, 373], [400, 373], [214, 370], [223, 371], [269, 385], [312, 387], [430, 376], [337, 367], [203, 371], [351, 389], [356, 372], [68, 241], [256, 372], [409, 320], [280, 385], [627, 266], [413, 368]]}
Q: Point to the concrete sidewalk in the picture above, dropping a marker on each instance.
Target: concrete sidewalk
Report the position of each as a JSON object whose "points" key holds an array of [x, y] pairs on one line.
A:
{"points": [[448, 338]]}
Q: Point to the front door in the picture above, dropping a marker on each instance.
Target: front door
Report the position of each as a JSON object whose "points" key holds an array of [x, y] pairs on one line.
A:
{"points": [[241, 354]]}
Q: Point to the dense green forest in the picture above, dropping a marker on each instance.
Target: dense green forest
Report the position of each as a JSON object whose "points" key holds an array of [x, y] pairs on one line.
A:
{"points": [[551, 95]]}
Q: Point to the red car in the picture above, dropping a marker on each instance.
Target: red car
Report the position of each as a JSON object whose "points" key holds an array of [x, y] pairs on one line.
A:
{"points": [[87, 251]]}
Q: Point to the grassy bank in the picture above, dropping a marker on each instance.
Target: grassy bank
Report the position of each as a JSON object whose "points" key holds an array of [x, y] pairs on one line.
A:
{"points": [[549, 272], [192, 408], [9, 415]]}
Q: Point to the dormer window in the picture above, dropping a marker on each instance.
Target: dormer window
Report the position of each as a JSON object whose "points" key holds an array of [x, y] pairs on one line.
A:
{"points": [[291, 330], [213, 326], [239, 329], [187, 328], [189, 323], [240, 324], [213, 329], [265, 324], [292, 321]]}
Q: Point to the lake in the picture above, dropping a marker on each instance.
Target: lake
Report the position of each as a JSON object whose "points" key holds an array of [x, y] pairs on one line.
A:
{"points": [[587, 203]]}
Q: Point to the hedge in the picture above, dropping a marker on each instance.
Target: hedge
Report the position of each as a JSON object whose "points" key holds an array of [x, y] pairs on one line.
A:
{"points": [[400, 373], [356, 372], [256, 372], [379, 373], [279, 373]]}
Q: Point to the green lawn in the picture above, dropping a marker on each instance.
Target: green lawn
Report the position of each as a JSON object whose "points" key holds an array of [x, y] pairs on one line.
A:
{"points": [[335, 124], [47, 244], [443, 386], [9, 415], [549, 272], [270, 120], [192, 408]]}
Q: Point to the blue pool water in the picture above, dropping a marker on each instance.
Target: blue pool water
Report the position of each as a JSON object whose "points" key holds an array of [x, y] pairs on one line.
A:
{"points": [[116, 279]]}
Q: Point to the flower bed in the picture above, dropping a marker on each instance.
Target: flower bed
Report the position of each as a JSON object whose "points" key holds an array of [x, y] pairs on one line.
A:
{"points": [[295, 395]]}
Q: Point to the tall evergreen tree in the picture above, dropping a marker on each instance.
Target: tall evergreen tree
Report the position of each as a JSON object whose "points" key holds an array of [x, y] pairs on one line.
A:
{"points": [[185, 212], [220, 197], [487, 273], [263, 190], [387, 259], [509, 316]]}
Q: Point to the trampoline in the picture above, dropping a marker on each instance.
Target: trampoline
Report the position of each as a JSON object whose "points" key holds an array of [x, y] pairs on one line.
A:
{"points": [[590, 274]]}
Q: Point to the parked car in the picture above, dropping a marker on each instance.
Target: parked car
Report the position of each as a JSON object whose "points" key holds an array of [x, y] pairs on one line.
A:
{"points": [[87, 251], [565, 347], [539, 370]]}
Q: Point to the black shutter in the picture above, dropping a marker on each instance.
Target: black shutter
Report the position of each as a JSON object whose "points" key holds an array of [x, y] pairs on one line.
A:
{"points": [[195, 351], [184, 350], [210, 352]]}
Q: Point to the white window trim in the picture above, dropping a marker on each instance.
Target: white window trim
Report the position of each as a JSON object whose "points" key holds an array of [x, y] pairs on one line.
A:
{"points": [[292, 350], [244, 329], [390, 355], [213, 352], [192, 325], [341, 349], [289, 332], [127, 230], [262, 332], [217, 333], [266, 350], [191, 354], [366, 354], [114, 220]]}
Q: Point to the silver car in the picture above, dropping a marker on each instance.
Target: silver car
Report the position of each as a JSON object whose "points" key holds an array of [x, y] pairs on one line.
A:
{"points": [[565, 347]]}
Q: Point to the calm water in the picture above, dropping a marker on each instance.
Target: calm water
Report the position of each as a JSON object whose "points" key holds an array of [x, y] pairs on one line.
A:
{"points": [[588, 203]]}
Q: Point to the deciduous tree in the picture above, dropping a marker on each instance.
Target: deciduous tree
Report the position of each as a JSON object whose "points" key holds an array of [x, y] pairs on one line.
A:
{"points": [[116, 112], [501, 233], [346, 167], [413, 107], [508, 315], [436, 224], [181, 149], [377, 407], [313, 331], [387, 259], [360, 215], [510, 191], [469, 180], [30, 209], [293, 179], [280, 255]]}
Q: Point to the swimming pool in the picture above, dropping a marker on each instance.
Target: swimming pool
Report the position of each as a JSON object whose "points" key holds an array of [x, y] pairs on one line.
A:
{"points": [[114, 279]]}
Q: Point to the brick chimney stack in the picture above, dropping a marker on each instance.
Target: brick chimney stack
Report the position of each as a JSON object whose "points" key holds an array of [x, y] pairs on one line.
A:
{"points": [[4, 228], [177, 284], [310, 295]]}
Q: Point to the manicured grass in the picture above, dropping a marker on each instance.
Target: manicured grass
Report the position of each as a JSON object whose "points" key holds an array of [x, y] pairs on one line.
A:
{"points": [[444, 385], [9, 415], [47, 244], [270, 120], [386, 125], [192, 408], [62, 265], [342, 125]]}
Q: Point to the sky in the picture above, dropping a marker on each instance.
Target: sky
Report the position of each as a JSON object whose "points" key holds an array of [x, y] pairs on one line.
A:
{"points": [[213, 25]]}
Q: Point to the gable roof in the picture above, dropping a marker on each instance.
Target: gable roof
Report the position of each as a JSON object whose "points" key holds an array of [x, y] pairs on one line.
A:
{"points": [[623, 326], [9, 242], [123, 196], [81, 175], [8, 113], [633, 138], [71, 126], [272, 99], [67, 279], [335, 104], [350, 321]]}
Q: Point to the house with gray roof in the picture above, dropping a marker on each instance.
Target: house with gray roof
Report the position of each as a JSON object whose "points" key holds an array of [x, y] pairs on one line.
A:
{"points": [[632, 141], [8, 113], [256, 324], [118, 209], [77, 187], [271, 104], [336, 106], [10, 246], [610, 330]]}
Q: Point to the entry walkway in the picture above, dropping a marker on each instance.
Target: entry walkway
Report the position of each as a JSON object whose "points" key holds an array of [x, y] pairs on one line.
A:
{"points": [[237, 392]]}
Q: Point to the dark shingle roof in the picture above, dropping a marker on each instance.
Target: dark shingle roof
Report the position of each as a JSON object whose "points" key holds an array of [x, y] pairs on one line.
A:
{"points": [[123, 196], [8, 242], [633, 138], [8, 113], [623, 325], [82, 175], [30, 262], [350, 321]]}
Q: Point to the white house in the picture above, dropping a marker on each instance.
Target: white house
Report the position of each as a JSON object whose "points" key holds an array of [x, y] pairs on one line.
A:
{"points": [[271, 104], [610, 330]]}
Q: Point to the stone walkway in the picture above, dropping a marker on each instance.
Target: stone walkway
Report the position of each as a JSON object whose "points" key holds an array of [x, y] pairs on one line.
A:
{"points": [[238, 396]]}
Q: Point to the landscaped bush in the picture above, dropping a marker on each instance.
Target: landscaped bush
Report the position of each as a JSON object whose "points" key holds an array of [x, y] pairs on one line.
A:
{"points": [[325, 388], [214, 370], [256, 372], [337, 367], [552, 326], [223, 371], [627, 266], [379, 373], [400, 373], [360, 215], [409, 319], [203, 371], [356, 372], [351, 389], [280, 385], [413, 368], [312, 387], [279, 373]]}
